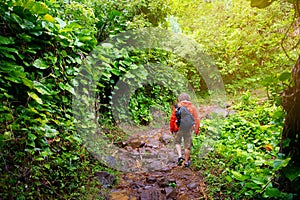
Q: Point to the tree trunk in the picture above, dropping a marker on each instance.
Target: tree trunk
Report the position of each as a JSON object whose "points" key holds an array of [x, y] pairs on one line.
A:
{"points": [[290, 141]]}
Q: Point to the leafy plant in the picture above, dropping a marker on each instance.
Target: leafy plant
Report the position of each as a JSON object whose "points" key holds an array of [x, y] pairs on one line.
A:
{"points": [[43, 45], [243, 156]]}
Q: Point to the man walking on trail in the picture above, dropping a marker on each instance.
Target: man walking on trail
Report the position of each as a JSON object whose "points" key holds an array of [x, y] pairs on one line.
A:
{"points": [[183, 122]]}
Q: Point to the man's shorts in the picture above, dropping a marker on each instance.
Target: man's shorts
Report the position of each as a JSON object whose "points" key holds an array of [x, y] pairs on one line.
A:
{"points": [[187, 138]]}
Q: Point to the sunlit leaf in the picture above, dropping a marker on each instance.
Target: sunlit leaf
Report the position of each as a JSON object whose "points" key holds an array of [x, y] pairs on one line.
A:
{"points": [[48, 18], [284, 76], [6, 40], [42, 89], [39, 8], [50, 132], [280, 163], [271, 192], [35, 97], [261, 3], [27, 82], [40, 64]]}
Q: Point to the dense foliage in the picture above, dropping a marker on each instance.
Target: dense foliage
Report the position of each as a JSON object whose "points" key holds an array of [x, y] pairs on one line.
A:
{"points": [[245, 42], [43, 45], [242, 155], [46, 45]]}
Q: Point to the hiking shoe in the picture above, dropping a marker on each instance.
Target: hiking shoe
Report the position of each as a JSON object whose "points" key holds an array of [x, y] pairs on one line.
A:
{"points": [[180, 161], [188, 164]]}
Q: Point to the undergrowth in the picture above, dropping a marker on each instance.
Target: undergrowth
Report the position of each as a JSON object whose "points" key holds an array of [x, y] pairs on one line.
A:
{"points": [[239, 155]]}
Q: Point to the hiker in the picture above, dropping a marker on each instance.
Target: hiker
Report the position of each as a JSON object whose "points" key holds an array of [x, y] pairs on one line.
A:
{"points": [[184, 126]]}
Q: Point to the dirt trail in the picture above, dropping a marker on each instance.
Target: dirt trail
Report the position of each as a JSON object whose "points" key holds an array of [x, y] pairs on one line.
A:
{"points": [[151, 171], [159, 177]]}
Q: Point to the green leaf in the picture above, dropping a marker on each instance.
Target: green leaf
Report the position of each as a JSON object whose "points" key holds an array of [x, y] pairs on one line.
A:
{"points": [[258, 180], [16, 18], [292, 172], [271, 192], [280, 163], [48, 18], [27, 82], [27, 24], [107, 45], [50, 132], [42, 89], [13, 50], [261, 3], [284, 76], [31, 137], [8, 55], [228, 178], [39, 158], [67, 86], [35, 97], [47, 165], [252, 186], [40, 64], [25, 37], [239, 176], [39, 8], [6, 40]]}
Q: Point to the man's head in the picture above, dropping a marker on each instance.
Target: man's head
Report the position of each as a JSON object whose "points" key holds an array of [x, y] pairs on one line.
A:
{"points": [[184, 97]]}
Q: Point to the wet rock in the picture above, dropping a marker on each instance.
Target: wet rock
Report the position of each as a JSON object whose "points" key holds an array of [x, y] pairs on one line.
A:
{"points": [[170, 193], [106, 179], [152, 143], [165, 169], [163, 182], [172, 180], [150, 195], [147, 187], [192, 186], [155, 165], [165, 138], [151, 179], [129, 148], [135, 143], [136, 185], [111, 161]]}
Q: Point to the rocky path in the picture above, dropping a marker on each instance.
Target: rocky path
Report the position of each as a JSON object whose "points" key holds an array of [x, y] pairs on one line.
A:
{"points": [[156, 175], [150, 171]]}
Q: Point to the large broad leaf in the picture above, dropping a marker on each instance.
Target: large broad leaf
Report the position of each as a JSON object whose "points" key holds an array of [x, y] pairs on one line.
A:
{"points": [[239, 176], [6, 40], [285, 76], [49, 18], [42, 89], [67, 86], [271, 192], [39, 8], [280, 163], [50, 132], [261, 3], [292, 172], [39, 63], [27, 82]]}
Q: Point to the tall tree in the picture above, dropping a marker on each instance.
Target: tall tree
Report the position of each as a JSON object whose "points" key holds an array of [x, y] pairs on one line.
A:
{"points": [[289, 179]]}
